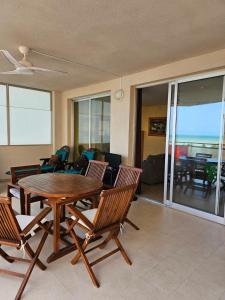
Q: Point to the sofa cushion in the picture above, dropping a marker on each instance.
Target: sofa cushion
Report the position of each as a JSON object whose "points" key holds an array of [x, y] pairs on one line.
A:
{"points": [[89, 214], [153, 169]]}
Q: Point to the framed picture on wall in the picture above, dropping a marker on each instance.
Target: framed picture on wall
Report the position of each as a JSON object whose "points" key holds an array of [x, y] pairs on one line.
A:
{"points": [[157, 126]]}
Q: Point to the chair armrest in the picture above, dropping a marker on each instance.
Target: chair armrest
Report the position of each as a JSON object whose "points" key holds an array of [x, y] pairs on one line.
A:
{"points": [[75, 212], [69, 165], [45, 160], [36, 220], [107, 187], [11, 185]]}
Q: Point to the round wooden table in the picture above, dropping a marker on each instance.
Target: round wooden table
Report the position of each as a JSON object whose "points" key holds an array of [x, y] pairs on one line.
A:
{"points": [[60, 189]]}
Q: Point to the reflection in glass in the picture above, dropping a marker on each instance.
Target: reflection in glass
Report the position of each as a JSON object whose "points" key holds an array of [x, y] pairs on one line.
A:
{"points": [[92, 125], [222, 175], [30, 116], [81, 126], [197, 140], [3, 116], [100, 124]]}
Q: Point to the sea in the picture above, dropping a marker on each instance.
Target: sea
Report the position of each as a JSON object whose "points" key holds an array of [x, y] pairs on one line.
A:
{"points": [[197, 139]]}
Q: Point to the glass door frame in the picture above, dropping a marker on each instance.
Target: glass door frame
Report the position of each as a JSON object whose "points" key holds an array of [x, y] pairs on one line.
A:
{"points": [[173, 86], [89, 99]]}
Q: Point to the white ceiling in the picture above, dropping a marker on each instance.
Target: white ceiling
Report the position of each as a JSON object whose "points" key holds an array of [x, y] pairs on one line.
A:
{"points": [[120, 36]]}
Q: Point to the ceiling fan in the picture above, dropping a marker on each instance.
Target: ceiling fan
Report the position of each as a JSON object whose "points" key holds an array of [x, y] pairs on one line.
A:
{"points": [[24, 67]]}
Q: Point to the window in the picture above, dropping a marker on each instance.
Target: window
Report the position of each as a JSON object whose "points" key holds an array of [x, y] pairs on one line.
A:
{"points": [[29, 116], [3, 116], [92, 124]]}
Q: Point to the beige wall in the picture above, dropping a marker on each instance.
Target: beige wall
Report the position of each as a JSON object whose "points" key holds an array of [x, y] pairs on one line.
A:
{"points": [[11, 156], [123, 111], [120, 112], [152, 144]]}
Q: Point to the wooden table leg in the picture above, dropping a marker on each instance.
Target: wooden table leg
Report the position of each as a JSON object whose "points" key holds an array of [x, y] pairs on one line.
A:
{"points": [[22, 202], [56, 230], [27, 204]]}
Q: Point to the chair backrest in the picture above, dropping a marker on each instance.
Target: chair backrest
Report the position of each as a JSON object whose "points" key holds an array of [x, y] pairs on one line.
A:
{"points": [[9, 227], [23, 171], [203, 155], [113, 206], [96, 169], [127, 175], [63, 153], [113, 159]]}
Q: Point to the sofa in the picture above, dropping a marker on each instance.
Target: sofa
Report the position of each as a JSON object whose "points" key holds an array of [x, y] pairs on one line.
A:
{"points": [[153, 169]]}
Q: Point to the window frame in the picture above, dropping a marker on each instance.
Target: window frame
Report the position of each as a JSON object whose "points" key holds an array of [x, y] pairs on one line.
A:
{"points": [[89, 98], [8, 115]]}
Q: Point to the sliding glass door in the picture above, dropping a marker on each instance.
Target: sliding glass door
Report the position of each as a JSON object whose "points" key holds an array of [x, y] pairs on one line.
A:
{"points": [[92, 124], [195, 147]]}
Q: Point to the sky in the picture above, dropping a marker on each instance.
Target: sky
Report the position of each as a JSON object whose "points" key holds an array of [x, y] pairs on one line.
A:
{"points": [[199, 120]]}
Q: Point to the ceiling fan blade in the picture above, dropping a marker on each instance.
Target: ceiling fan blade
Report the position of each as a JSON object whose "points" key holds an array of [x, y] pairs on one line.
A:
{"points": [[45, 70], [17, 72], [10, 58], [10, 72]]}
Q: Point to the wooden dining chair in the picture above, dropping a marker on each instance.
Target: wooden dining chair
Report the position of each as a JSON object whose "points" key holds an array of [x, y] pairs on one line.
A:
{"points": [[96, 169], [126, 176], [107, 218], [14, 190], [15, 231]]}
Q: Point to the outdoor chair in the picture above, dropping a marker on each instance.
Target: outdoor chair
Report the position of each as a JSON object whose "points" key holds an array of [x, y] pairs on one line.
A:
{"points": [[114, 161], [200, 176], [203, 155], [126, 176], [96, 169], [107, 218], [56, 161], [14, 190], [15, 231], [79, 166]]}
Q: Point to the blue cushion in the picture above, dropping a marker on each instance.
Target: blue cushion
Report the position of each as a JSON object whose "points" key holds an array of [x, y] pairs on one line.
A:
{"points": [[47, 168], [89, 154], [62, 154], [71, 171]]}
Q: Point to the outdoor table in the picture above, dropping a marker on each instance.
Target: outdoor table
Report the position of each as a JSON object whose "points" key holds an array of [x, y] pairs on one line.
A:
{"points": [[60, 189]]}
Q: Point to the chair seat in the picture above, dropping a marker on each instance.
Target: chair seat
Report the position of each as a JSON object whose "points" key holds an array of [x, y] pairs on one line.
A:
{"points": [[89, 214], [25, 220], [16, 193]]}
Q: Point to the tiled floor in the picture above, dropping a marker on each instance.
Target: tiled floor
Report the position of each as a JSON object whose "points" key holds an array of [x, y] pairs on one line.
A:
{"points": [[175, 256], [193, 198]]}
